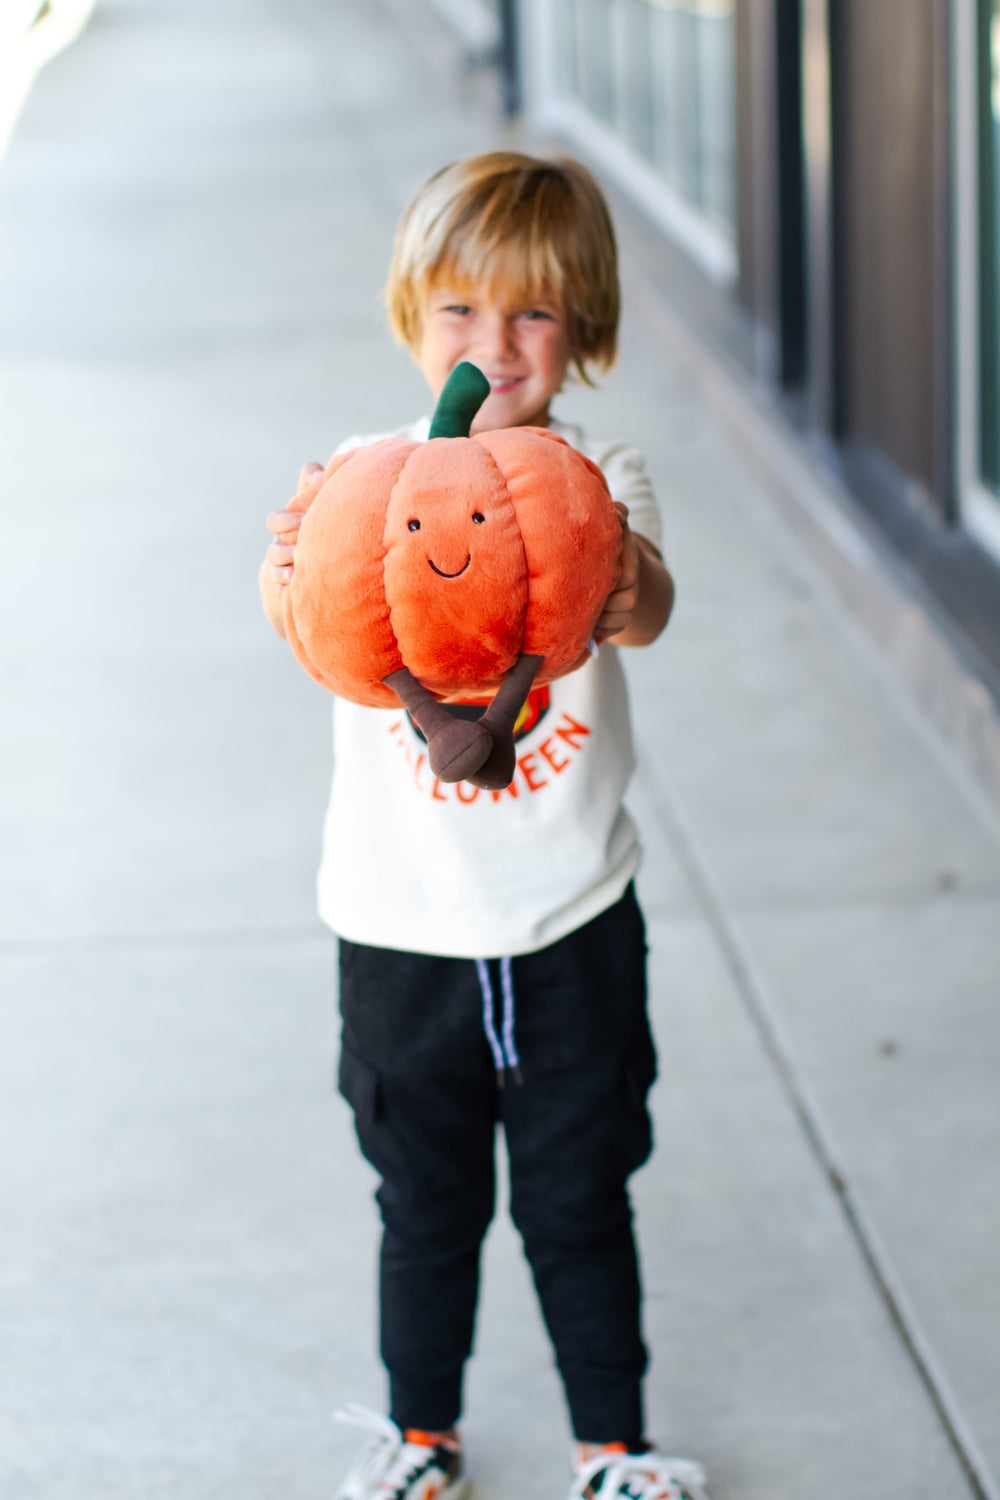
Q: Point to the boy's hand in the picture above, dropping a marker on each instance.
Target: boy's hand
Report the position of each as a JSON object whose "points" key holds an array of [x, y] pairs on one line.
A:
{"points": [[620, 603], [280, 555], [279, 560]]}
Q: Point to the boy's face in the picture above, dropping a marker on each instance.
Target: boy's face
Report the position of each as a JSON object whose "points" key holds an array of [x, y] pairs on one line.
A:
{"points": [[521, 347]]}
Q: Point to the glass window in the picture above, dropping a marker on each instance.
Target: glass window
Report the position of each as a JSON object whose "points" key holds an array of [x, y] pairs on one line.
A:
{"points": [[661, 74], [595, 73], [694, 86], [988, 51], [635, 74], [715, 73], [564, 28]]}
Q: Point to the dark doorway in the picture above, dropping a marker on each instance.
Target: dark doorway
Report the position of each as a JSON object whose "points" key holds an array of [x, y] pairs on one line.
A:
{"points": [[792, 361]]}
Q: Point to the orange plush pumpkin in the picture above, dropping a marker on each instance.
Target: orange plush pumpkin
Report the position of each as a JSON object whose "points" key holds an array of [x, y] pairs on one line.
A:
{"points": [[429, 571]]}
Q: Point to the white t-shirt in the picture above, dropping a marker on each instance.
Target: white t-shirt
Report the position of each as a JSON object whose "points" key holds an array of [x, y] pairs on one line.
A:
{"points": [[416, 864]]}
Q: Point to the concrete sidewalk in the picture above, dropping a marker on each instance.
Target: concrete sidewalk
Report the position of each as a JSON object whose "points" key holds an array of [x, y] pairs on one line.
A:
{"points": [[198, 206]]}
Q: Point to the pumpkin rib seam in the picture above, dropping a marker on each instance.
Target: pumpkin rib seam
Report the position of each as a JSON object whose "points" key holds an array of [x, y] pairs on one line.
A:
{"points": [[385, 551], [520, 538]]}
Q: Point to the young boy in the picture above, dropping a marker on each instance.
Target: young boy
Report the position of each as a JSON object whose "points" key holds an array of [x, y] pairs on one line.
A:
{"points": [[492, 953]]}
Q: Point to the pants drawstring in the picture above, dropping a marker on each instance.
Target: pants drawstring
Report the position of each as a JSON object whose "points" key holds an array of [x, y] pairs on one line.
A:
{"points": [[507, 985], [491, 1034], [504, 1052]]}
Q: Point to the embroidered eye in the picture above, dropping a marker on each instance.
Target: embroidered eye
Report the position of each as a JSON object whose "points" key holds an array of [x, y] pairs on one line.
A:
{"points": [[414, 525], [478, 517]]}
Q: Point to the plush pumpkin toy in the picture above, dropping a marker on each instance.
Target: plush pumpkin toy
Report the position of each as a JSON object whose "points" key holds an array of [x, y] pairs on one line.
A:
{"points": [[459, 568]]}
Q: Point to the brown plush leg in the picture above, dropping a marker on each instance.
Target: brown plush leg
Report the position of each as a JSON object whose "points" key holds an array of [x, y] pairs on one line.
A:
{"points": [[497, 771], [456, 748]]}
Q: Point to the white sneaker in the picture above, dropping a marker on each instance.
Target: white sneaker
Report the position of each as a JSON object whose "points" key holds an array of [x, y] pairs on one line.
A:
{"points": [[390, 1468], [638, 1476]]}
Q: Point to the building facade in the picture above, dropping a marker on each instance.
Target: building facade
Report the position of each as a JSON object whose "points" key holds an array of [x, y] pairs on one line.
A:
{"points": [[833, 167]]}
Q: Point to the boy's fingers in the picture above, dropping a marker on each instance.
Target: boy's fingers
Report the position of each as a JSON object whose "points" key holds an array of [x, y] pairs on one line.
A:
{"points": [[617, 612], [284, 522], [630, 561], [621, 600], [307, 474], [280, 556]]}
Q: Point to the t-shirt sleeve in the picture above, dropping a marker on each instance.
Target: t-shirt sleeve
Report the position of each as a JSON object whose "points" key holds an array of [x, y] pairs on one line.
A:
{"points": [[625, 470]]}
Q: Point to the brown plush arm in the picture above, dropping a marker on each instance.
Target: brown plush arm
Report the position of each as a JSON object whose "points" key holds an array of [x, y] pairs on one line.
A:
{"points": [[477, 750]]}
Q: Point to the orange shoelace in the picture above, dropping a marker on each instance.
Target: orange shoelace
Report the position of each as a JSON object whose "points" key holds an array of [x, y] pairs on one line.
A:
{"points": [[430, 1439]]}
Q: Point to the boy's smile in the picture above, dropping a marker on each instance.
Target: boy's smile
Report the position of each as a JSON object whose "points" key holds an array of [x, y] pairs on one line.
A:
{"points": [[521, 347]]}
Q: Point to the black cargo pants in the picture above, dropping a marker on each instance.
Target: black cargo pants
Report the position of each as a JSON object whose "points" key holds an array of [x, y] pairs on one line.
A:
{"points": [[419, 1068]]}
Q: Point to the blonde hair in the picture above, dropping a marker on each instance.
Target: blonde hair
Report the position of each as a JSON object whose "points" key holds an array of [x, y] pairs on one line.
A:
{"points": [[541, 228]]}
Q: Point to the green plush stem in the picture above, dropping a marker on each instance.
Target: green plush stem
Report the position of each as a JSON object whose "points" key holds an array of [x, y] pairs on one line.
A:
{"points": [[464, 392]]}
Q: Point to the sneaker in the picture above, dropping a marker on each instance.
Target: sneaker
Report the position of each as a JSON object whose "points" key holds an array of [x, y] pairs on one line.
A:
{"points": [[389, 1467], [637, 1476]]}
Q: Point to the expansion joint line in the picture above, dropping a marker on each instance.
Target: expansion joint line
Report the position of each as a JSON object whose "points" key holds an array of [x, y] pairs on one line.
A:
{"points": [[819, 1135]]}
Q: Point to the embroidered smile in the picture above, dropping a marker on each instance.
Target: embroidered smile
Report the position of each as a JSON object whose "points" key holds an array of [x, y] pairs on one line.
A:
{"points": [[442, 574]]}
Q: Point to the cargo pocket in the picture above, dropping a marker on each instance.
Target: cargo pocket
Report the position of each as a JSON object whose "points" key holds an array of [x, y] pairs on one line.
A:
{"points": [[359, 1084]]}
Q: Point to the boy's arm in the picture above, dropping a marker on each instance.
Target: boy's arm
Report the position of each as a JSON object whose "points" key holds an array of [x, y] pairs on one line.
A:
{"points": [[639, 605]]}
